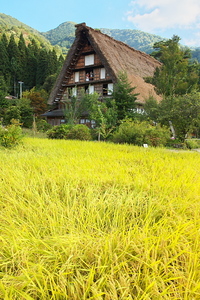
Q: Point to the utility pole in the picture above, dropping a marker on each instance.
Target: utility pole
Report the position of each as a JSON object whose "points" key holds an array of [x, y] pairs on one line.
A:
{"points": [[20, 89], [172, 129]]}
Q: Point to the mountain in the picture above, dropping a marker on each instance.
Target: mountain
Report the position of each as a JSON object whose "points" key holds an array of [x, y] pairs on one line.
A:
{"points": [[64, 35], [10, 25]]}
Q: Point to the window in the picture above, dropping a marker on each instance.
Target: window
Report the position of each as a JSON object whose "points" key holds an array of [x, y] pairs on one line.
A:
{"points": [[76, 75], [93, 124], [140, 110], [91, 89], [74, 91], [102, 73], [107, 89], [89, 60], [89, 75], [110, 88]]}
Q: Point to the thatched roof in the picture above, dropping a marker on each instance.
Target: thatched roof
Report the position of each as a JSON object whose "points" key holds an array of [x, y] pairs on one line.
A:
{"points": [[54, 113], [116, 56]]}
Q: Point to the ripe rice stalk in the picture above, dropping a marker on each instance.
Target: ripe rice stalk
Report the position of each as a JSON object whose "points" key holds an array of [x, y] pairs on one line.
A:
{"points": [[86, 220]]}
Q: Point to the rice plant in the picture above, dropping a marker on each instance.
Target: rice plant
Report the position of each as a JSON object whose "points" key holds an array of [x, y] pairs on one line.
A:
{"points": [[88, 220]]}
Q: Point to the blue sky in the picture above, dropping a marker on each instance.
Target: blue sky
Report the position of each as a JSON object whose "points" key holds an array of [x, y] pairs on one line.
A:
{"points": [[161, 17]]}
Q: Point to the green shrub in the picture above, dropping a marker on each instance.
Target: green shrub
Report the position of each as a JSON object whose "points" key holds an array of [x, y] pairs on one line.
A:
{"points": [[192, 144], [59, 131], [129, 132], [156, 136], [139, 133], [79, 132], [11, 135], [12, 113], [43, 125], [72, 132]]}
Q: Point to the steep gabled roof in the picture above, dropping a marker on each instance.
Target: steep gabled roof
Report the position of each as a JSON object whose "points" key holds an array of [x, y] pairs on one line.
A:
{"points": [[116, 56]]}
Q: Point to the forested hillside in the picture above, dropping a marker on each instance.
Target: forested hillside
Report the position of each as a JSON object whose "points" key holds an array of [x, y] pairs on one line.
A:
{"points": [[25, 55], [28, 63], [137, 39], [11, 26], [64, 35]]}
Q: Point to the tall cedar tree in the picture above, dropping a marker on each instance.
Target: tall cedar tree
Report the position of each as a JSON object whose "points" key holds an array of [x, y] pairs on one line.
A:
{"points": [[14, 57], [4, 59], [124, 97], [42, 67], [32, 54], [23, 62]]}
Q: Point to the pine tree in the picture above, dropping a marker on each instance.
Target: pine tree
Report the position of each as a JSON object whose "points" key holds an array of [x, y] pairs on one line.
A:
{"points": [[42, 67], [14, 57], [52, 63], [4, 40], [4, 60], [124, 97], [31, 69], [22, 60]]}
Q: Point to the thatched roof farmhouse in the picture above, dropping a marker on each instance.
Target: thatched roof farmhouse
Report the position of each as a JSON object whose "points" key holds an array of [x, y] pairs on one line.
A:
{"points": [[93, 63]]}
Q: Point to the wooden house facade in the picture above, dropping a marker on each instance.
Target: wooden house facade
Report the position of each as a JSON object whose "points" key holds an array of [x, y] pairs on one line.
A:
{"points": [[93, 64]]}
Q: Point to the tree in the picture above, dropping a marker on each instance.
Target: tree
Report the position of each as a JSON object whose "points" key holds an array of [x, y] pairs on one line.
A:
{"points": [[184, 114], [151, 108], [38, 100], [4, 60], [52, 62], [12, 112], [175, 77], [105, 116], [124, 97], [23, 62], [42, 67], [47, 65], [49, 82], [31, 69], [26, 112], [13, 53], [75, 107]]}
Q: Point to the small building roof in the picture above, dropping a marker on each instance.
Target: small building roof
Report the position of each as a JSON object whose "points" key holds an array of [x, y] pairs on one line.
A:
{"points": [[54, 113]]}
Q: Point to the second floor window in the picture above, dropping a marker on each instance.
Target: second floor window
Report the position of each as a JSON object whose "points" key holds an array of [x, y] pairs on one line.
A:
{"points": [[89, 75]]}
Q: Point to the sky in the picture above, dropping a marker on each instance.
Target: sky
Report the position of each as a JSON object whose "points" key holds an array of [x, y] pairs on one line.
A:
{"points": [[161, 17]]}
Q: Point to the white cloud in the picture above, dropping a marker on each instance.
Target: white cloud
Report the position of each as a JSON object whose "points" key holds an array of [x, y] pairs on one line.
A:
{"points": [[153, 15], [193, 40]]}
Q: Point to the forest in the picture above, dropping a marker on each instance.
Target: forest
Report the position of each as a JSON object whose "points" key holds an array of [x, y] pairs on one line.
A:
{"points": [[29, 68], [28, 63]]}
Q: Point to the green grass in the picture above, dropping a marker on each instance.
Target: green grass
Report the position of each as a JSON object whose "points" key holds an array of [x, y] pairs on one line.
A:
{"points": [[89, 220]]}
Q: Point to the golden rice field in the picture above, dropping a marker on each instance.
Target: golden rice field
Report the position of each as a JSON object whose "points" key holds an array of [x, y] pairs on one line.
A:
{"points": [[89, 220]]}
